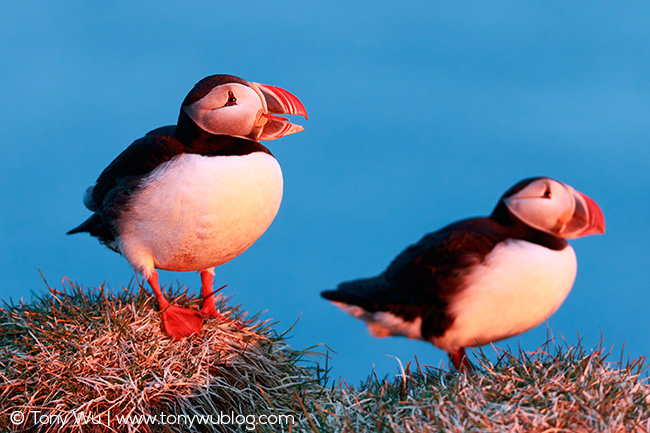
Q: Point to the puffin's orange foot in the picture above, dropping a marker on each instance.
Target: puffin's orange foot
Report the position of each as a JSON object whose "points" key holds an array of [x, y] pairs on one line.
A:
{"points": [[209, 309], [181, 322]]}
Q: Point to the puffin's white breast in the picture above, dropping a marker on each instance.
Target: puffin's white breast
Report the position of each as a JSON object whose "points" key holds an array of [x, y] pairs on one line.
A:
{"points": [[195, 212], [517, 287]]}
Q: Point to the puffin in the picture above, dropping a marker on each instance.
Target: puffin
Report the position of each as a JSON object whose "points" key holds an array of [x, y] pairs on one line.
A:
{"points": [[192, 196], [480, 280]]}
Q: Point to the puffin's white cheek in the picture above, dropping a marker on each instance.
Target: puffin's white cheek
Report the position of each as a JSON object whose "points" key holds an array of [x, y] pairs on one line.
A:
{"points": [[542, 214], [221, 122], [241, 124], [530, 211]]}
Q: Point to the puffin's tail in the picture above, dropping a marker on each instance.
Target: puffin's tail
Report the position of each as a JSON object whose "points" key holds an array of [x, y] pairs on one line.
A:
{"points": [[90, 225], [365, 293], [97, 228]]}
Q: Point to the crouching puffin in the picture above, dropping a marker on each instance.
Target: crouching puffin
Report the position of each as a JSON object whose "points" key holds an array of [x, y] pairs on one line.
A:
{"points": [[194, 195], [480, 280]]}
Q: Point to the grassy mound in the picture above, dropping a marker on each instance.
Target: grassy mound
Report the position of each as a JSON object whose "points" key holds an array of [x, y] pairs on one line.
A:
{"points": [[101, 361], [555, 389], [87, 360]]}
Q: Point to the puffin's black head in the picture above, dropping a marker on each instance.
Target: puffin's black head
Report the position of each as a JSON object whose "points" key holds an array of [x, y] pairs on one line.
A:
{"points": [[551, 207], [229, 105]]}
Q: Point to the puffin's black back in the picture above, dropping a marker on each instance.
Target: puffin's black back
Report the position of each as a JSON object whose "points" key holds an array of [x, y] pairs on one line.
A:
{"points": [[423, 278], [420, 280], [123, 176]]}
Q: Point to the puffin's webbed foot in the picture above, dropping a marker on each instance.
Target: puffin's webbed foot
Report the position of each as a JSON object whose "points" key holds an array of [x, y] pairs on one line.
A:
{"points": [[177, 322], [181, 322]]}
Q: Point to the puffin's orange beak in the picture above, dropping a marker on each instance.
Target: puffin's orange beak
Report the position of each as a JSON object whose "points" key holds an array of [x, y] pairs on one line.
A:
{"points": [[587, 218], [277, 101]]}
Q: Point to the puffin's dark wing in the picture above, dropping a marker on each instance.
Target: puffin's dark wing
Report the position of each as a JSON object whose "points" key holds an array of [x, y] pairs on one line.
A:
{"points": [[134, 163], [122, 176], [110, 194], [422, 279]]}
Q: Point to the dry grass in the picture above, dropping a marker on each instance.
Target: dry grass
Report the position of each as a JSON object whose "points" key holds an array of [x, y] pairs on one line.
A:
{"points": [[105, 356], [99, 354], [556, 389]]}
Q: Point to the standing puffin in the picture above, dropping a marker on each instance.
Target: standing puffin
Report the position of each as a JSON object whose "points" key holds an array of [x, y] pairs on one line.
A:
{"points": [[194, 195], [480, 280]]}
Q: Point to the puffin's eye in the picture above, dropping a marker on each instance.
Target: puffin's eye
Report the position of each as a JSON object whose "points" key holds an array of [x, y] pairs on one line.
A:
{"points": [[231, 99], [547, 193]]}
